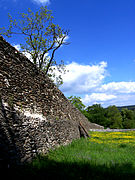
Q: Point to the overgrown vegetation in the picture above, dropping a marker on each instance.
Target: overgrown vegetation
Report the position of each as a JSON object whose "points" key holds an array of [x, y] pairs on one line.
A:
{"points": [[105, 155], [109, 117]]}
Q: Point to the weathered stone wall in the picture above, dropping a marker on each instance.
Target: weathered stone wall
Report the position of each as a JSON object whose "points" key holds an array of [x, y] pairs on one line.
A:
{"points": [[34, 114], [22, 137]]}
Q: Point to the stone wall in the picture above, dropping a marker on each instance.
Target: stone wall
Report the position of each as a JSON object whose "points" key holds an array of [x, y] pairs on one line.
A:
{"points": [[34, 114], [23, 137]]}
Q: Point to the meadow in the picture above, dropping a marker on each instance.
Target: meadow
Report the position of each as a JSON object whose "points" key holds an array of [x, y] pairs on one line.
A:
{"points": [[105, 155]]}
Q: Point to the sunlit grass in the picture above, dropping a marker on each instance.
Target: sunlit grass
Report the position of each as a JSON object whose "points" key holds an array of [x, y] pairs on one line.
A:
{"points": [[105, 155], [113, 137], [116, 147]]}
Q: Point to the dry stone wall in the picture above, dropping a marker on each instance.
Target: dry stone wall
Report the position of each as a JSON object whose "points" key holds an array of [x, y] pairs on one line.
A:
{"points": [[34, 114]]}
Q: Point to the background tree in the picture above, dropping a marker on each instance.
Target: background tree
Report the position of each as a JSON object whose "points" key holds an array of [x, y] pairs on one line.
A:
{"points": [[42, 39], [96, 114], [128, 118], [114, 117], [110, 117]]}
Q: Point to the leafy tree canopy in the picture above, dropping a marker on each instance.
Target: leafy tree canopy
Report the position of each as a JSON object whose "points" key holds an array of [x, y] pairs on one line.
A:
{"points": [[96, 114], [42, 39], [114, 117], [109, 117], [128, 118]]}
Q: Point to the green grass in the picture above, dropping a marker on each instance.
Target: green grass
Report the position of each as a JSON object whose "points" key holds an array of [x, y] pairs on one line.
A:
{"points": [[87, 159]]}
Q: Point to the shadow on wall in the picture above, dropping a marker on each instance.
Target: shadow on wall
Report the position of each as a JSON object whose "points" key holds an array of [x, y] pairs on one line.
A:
{"points": [[21, 140], [8, 147], [12, 137], [48, 169]]}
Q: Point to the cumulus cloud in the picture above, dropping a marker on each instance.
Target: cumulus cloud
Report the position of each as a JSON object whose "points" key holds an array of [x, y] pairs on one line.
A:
{"points": [[113, 93], [118, 87], [109, 99], [88, 81], [122, 99], [97, 98], [83, 78], [42, 1]]}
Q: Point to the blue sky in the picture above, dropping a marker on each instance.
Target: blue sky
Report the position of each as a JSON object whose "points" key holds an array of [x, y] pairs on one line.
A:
{"points": [[101, 54]]}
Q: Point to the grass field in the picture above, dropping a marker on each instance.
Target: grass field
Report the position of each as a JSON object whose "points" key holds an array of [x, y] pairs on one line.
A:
{"points": [[105, 155]]}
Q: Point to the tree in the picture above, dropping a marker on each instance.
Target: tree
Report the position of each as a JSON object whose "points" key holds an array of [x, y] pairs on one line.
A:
{"points": [[42, 39], [76, 101], [114, 117], [128, 118], [96, 114]]}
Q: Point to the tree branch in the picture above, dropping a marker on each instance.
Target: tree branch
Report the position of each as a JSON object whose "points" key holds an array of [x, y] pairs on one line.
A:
{"points": [[49, 64]]}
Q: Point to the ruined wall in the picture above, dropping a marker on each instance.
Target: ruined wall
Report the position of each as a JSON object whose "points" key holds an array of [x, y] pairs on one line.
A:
{"points": [[34, 114], [22, 137]]}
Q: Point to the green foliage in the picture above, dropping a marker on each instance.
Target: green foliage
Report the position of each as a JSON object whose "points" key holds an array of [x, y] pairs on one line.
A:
{"points": [[76, 101], [114, 117], [96, 114], [42, 39], [109, 117], [128, 118]]}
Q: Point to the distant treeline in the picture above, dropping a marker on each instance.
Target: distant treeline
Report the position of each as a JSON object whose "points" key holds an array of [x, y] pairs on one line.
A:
{"points": [[126, 107], [112, 117]]}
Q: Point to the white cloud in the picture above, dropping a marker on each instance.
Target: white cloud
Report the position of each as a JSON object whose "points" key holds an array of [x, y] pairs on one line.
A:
{"points": [[60, 39], [28, 55], [42, 1], [83, 78], [98, 98], [109, 99], [118, 87], [113, 93], [87, 81], [122, 99], [66, 38], [17, 46]]}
